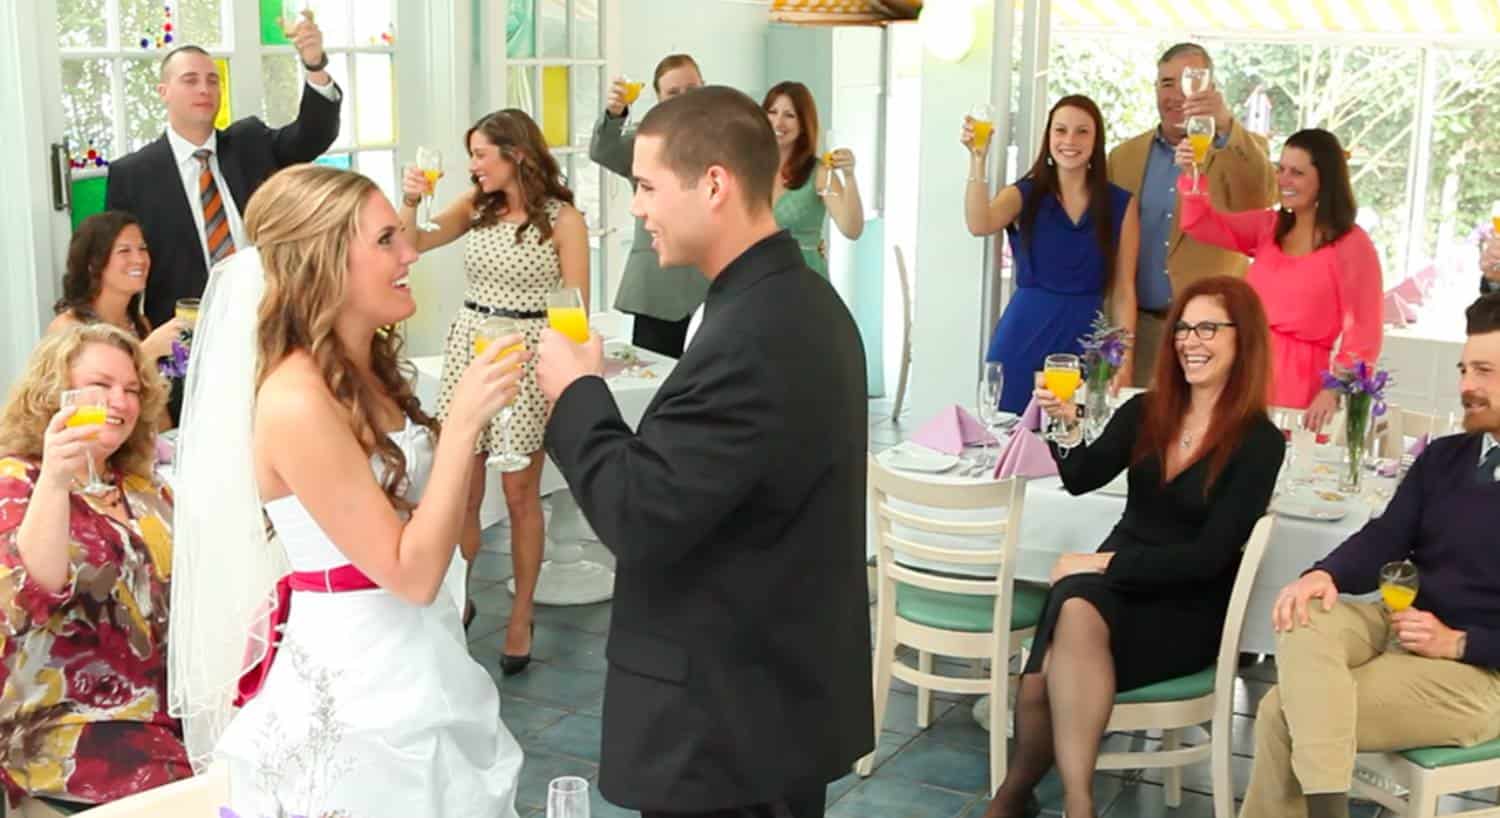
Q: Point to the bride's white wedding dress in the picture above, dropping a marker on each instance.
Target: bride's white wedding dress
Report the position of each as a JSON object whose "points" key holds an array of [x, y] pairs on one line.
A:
{"points": [[373, 707]]}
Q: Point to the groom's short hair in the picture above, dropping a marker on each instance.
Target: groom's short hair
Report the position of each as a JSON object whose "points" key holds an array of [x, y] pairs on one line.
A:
{"points": [[717, 125]]}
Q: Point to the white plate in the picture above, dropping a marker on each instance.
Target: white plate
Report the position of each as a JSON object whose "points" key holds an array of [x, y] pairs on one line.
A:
{"points": [[1304, 504], [915, 457]]}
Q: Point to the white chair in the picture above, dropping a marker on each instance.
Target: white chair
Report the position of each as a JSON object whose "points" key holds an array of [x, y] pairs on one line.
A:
{"points": [[1428, 774], [905, 370], [1189, 701], [196, 797], [1400, 424], [979, 617]]}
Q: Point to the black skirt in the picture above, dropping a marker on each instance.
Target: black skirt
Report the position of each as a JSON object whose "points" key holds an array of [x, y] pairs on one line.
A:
{"points": [[1151, 638]]}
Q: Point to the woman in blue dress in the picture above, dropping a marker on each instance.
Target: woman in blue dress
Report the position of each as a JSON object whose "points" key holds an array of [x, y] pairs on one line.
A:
{"points": [[1073, 237]]}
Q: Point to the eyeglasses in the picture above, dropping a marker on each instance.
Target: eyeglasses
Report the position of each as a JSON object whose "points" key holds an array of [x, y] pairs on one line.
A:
{"points": [[1205, 330]]}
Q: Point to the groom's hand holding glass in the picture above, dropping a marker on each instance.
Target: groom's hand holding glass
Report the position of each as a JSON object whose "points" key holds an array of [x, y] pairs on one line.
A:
{"points": [[560, 362]]}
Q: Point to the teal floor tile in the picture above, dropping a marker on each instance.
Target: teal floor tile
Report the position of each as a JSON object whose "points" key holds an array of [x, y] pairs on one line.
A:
{"points": [[575, 735], [574, 690], [929, 761], [526, 718]]}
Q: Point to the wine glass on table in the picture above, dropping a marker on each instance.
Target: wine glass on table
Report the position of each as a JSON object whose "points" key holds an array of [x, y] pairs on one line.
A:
{"points": [[1398, 589], [1062, 374], [991, 383], [489, 331], [90, 408]]}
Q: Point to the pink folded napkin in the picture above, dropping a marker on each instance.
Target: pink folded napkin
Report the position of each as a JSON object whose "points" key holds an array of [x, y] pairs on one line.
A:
{"points": [[1397, 312], [1418, 446], [1025, 455], [1409, 291], [1031, 418], [951, 430]]}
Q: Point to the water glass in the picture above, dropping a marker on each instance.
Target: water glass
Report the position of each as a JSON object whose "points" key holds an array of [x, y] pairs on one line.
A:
{"points": [[568, 797]]}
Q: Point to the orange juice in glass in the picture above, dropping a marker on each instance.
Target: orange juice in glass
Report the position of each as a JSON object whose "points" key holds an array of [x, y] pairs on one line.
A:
{"points": [[493, 329], [1398, 589], [983, 117], [1062, 381], [565, 314], [1200, 143], [90, 409], [1495, 217], [633, 91]]}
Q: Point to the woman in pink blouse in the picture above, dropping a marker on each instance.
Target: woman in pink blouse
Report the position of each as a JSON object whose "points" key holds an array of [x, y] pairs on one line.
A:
{"points": [[1316, 271]]}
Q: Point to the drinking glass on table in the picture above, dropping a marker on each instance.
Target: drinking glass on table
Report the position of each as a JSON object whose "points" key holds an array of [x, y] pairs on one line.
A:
{"points": [[568, 797], [566, 315], [991, 382], [430, 163], [489, 331], [1398, 588], [1062, 374], [91, 408]]}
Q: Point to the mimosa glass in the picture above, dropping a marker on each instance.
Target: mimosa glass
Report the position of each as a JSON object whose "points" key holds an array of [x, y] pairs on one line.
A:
{"points": [[1398, 589], [91, 409], [566, 315], [1200, 134], [489, 331], [430, 162], [1062, 374]]}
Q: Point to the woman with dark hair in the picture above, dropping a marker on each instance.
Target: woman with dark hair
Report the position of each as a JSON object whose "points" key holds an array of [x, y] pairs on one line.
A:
{"points": [[524, 240], [807, 189], [108, 265], [1202, 459], [1073, 236], [1316, 271]]}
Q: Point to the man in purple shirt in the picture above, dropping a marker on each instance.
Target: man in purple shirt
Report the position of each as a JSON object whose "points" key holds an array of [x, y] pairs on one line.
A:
{"points": [[1341, 689]]}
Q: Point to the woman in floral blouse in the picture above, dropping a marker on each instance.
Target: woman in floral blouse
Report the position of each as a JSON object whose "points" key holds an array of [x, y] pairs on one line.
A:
{"points": [[83, 581]]}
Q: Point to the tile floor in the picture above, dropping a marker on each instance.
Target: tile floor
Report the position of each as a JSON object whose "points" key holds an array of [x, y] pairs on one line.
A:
{"points": [[553, 709]]}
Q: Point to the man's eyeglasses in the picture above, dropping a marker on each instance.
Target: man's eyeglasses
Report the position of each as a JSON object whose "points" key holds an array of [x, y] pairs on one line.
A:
{"points": [[1205, 330]]}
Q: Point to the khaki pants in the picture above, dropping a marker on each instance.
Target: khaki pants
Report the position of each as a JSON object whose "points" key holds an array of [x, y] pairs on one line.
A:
{"points": [[1339, 693], [1148, 332]]}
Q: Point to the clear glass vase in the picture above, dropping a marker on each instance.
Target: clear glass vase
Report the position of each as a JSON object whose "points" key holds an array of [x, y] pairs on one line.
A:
{"points": [[1356, 434], [1096, 407]]}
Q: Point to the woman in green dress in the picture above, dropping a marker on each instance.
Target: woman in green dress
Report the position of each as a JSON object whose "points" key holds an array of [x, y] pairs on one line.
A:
{"points": [[807, 189]]}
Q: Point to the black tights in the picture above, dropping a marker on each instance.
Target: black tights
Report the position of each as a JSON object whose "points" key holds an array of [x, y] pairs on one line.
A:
{"points": [[1061, 714]]}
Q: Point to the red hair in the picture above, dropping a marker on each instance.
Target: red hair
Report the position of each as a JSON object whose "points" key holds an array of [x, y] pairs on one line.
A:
{"points": [[1245, 397], [799, 163]]}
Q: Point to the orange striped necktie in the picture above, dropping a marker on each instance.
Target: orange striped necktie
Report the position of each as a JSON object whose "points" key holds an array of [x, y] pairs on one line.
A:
{"points": [[215, 220]]}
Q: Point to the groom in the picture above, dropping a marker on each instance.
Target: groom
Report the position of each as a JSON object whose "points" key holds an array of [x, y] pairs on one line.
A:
{"points": [[739, 649]]}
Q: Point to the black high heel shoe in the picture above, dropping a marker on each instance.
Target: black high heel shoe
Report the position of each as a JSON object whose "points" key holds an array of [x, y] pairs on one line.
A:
{"points": [[511, 665]]}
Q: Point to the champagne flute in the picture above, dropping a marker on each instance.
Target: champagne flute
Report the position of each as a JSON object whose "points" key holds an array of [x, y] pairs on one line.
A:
{"points": [[632, 93], [1495, 218], [430, 162], [984, 126], [487, 332], [830, 144], [1398, 588], [292, 12], [1062, 374], [991, 384], [91, 408], [565, 314], [1200, 134], [568, 797], [1195, 80]]}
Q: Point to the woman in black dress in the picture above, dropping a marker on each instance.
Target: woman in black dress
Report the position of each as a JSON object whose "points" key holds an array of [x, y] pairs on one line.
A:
{"points": [[1150, 604]]}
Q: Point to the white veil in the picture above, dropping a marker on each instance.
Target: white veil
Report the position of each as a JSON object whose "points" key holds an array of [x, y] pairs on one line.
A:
{"points": [[223, 567]]}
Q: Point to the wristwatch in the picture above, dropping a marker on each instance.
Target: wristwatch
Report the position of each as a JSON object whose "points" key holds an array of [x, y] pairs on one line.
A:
{"points": [[322, 64]]}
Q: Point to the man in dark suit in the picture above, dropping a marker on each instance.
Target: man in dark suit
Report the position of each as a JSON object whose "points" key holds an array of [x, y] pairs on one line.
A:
{"points": [[739, 648], [194, 171]]}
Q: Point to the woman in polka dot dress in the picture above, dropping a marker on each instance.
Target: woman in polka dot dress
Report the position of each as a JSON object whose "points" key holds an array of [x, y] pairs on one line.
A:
{"points": [[525, 239]]}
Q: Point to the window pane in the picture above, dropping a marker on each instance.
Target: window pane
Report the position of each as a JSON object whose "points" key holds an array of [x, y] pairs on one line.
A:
{"points": [[381, 167], [334, 19], [555, 105], [586, 103], [143, 24], [520, 29], [144, 117], [88, 106], [200, 22], [376, 91], [522, 91], [338, 68], [281, 82], [375, 22], [554, 20], [80, 25], [586, 29]]}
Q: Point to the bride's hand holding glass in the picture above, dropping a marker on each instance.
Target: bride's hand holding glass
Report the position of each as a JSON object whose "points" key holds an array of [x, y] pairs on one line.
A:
{"points": [[491, 382]]}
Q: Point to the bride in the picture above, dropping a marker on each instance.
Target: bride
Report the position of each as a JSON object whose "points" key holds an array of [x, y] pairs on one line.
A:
{"points": [[304, 449]]}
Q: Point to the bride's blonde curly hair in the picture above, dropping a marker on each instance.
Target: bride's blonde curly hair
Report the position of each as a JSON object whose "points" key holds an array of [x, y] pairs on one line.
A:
{"points": [[304, 220]]}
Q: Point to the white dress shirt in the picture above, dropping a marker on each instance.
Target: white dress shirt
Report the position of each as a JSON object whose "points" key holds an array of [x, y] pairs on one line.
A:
{"points": [[190, 170], [1490, 442]]}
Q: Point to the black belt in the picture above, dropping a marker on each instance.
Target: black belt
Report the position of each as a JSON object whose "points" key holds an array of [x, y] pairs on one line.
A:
{"points": [[485, 309]]}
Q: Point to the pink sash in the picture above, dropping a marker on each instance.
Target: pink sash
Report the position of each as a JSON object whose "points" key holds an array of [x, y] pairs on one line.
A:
{"points": [[332, 581]]}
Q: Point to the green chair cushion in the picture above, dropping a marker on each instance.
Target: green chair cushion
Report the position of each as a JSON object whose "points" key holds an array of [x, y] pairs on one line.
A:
{"points": [[968, 613], [1171, 690], [1433, 757]]}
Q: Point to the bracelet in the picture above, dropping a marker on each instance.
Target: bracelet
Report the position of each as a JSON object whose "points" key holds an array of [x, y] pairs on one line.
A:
{"points": [[322, 64]]}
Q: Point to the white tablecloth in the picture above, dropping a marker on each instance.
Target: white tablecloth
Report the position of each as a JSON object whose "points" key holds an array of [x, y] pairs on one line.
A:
{"points": [[1054, 522], [633, 393]]}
